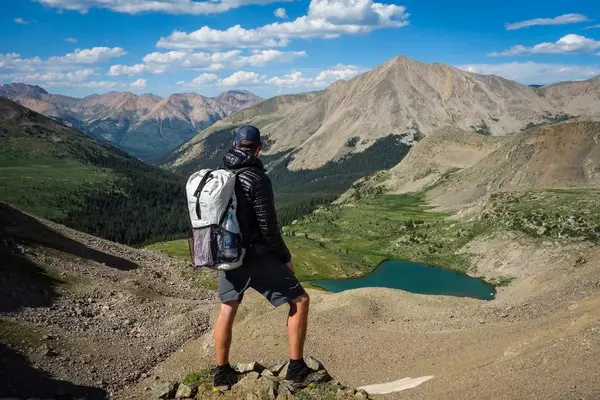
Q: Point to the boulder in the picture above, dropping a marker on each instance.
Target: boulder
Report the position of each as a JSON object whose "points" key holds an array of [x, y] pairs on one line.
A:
{"points": [[242, 368], [166, 390], [185, 391]]}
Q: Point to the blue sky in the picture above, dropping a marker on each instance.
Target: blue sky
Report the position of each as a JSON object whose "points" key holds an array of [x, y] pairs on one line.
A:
{"points": [[79, 47]]}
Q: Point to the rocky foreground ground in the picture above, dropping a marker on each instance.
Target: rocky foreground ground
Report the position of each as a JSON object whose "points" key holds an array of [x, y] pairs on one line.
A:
{"points": [[81, 316], [257, 382]]}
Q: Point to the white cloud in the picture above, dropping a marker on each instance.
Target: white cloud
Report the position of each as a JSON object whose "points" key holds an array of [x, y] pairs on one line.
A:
{"points": [[20, 21], [535, 73], [137, 69], [140, 6], [139, 84], [13, 62], [73, 76], [592, 27], [89, 56], [325, 19], [281, 13], [260, 58], [294, 79], [90, 85], [560, 20], [321, 80], [71, 40], [202, 80], [160, 62], [243, 78], [567, 44]]}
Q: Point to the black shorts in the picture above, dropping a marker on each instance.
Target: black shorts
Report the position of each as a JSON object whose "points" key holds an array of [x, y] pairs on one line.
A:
{"points": [[267, 275]]}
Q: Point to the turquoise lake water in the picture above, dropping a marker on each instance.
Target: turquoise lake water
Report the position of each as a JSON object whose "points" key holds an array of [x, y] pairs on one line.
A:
{"points": [[415, 278]]}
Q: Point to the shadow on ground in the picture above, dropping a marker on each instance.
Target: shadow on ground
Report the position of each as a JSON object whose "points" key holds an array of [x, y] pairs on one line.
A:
{"points": [[25, 230], [20, 379]]}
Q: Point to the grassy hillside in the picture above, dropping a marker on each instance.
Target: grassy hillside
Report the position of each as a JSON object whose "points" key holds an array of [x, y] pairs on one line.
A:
{"points": [[60, 174]]}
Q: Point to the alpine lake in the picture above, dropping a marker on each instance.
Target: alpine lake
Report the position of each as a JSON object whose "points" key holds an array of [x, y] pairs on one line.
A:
{"points": [[415, 278]]}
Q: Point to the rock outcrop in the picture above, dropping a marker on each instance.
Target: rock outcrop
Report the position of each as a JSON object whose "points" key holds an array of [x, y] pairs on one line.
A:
{"points": [[256, 382]]}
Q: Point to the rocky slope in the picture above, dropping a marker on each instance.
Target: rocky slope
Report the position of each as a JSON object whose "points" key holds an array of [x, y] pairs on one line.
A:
{"points": [[431, 160], [400, 96], [145, 125], [84, 317], [565, 155], [462, 169]]}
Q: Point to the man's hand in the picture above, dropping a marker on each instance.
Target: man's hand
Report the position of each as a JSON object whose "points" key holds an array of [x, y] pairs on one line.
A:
{"points": [[290, 267]]}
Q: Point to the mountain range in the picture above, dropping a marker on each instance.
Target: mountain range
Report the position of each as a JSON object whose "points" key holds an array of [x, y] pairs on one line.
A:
{"points": [[147, 126], [401, 96]]}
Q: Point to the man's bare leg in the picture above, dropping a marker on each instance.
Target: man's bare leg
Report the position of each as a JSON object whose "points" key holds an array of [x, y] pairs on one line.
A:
{"points": [[224, 331], [296, 326]]}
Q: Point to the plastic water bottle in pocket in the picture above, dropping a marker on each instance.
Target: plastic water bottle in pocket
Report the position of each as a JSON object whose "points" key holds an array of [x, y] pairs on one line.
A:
{"points": [[229, 246]]}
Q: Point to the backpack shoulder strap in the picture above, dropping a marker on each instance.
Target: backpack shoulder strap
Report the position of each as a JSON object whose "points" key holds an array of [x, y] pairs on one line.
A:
{"points": [[237, 172], [201, 185]]}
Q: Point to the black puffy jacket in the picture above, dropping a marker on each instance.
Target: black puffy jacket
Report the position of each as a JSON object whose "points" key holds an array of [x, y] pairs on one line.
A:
{"points": [[256, 206]]}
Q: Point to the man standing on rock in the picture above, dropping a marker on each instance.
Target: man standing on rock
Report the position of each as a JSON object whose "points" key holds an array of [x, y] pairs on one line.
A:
{"points": [[267, 265]]}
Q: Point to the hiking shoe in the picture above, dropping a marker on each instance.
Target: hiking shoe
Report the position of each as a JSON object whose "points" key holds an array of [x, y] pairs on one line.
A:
{"points": [[299, 376], [225, 376]]}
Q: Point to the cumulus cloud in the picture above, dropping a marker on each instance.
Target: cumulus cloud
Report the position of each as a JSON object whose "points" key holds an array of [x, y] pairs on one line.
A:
{"points": [[322, 79], [295, 79], [89, 56], [535, 73], [202, 80], [160, 62], [73, 76], [243, 78], [96, 55], [567, 44], [131, 70], [71, 70], [139, 84], [325, 19], [560, 20], [193, 7], [20, 21], [71, 40], [281, 13]]}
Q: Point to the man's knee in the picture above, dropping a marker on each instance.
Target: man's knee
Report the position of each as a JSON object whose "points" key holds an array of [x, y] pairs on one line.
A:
{"points": [[229, 309], [302, 301]]}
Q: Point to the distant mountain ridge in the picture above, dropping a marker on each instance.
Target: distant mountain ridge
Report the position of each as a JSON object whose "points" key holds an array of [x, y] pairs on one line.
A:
{"points": [[400, 96], [147, 126]]}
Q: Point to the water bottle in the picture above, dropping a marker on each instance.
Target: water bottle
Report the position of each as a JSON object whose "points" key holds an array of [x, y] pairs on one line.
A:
{"points": [[229, 246]]}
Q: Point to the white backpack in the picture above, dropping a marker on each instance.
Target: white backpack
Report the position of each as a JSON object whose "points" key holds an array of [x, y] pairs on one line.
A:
{"points": [[216, 241]]}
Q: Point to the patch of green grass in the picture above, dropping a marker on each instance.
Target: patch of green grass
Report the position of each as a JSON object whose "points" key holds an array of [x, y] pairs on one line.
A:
{"points": [[386, 227], [33, 178], [557, 214], [174, 248], [199, 378], [501, 281]]}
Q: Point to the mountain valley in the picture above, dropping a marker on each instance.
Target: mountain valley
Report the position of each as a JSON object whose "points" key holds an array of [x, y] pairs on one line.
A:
{"points": [[57, 173]]}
